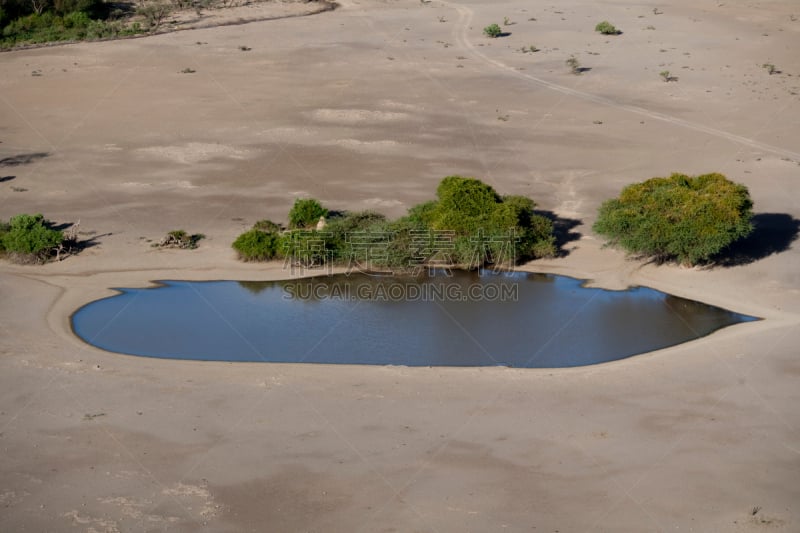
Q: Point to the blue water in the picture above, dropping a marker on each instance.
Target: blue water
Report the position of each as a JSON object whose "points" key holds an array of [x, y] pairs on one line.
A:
{"points": [[511, 319]]}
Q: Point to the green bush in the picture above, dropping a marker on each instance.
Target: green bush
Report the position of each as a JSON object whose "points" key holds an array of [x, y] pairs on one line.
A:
{"points": [[3, 230], [682, 218], [606, 28], [465, 205], [422, 214], [92, 8], [487, 227], [493, 31], [267, 225], [473, 224], [349, 238], [28, 238], [257, 245], [309, 248], [305, 213], [49, 27]]}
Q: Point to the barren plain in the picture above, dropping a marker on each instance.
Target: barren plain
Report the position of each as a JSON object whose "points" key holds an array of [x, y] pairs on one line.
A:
{"points": [[368, 107]]}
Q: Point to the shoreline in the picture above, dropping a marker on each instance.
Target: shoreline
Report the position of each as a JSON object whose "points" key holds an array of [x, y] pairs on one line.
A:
{"points": [[95, 285], [72, 298]]}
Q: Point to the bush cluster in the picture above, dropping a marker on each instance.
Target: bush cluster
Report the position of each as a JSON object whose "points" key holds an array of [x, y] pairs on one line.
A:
{"points": [[29, 22], [74, 26], [468, 225], [681, 218], [29, 239]]}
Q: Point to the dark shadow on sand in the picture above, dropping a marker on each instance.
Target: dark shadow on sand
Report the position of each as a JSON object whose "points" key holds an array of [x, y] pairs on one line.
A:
{"points": [[774, 233], [22, 159], [563, 230]]}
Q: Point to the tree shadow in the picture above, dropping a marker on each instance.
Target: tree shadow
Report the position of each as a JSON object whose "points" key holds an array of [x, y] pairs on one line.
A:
{"points": [[58, 227], [563, 231], [87, 242], [4, 179], [76, 241], [22, 159], [581, 70], [774, 233], [256, 287]]}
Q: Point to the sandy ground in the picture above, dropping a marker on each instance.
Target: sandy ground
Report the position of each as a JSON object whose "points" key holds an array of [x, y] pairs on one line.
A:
{"points": [[368, 107]]}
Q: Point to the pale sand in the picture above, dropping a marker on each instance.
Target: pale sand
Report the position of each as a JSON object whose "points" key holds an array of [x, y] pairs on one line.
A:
{"points": [[690, 438]]}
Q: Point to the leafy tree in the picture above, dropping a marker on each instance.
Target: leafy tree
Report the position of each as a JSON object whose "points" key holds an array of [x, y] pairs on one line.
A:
{"points": [[682, 218], [305, 213], [29, 238]]}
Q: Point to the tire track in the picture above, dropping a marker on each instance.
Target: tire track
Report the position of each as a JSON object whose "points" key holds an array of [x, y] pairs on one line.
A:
{"points": [[465, 16]]}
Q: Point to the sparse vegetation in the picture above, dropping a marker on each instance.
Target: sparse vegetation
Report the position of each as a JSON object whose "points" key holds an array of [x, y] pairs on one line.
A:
{"points": [[770, 68], [573, 64], [493, 31], [188, 70], [665, 75], [179, 239], [681, 218], [606, 28], [153, 14]]}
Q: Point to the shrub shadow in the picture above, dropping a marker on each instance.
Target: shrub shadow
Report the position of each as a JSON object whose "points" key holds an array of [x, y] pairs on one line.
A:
{"points": [[58, 227], [774, 233], [563, 231], [22, 159], [87, 242]]}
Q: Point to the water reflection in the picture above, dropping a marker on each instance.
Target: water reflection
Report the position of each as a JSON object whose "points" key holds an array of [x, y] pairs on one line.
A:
{"points": [[467, 319]]}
